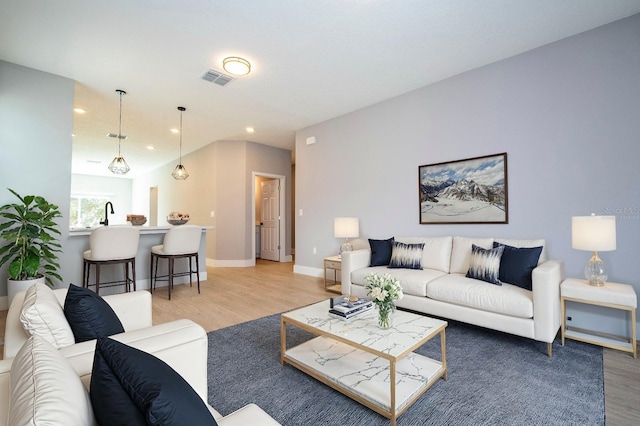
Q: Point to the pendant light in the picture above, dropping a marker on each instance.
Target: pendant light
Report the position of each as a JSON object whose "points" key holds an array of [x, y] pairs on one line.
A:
{"points": [[118, 166], [180, 172]]}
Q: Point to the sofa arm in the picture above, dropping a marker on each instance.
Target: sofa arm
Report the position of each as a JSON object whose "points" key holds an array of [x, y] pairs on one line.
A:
{"points": [[352, 261], [182, 344], [546, 299], [5, 390], [134, 309]]}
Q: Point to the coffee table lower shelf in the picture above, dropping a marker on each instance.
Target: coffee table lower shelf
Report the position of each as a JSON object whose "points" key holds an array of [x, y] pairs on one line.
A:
{"points": [[364, 377]]}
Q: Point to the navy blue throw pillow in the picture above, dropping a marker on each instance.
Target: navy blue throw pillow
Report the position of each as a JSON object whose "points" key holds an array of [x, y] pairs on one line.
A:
{"points": [[517, 264], [132, 387], [380, 251], [89, 315]]}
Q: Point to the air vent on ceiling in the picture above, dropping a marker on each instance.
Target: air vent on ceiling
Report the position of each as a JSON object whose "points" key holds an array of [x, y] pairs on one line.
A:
{"points": [[217, 77], [113, 135]]}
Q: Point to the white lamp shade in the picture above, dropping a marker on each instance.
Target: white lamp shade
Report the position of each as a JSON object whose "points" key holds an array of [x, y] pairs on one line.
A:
{"points": [[346, 227], [593, 233]]}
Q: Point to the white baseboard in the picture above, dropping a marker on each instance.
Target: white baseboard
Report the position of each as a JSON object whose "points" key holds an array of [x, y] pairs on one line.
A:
{"points": [[306, 270], [241, 263]]}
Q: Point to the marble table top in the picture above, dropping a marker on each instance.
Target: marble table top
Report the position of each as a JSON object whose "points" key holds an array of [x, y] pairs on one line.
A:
{"points": [[408, 331]]}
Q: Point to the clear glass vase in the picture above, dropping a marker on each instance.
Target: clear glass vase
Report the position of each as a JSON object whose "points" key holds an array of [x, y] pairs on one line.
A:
{"points": [[385, 315]]}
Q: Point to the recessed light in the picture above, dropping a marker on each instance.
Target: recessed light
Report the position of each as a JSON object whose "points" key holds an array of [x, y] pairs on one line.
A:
{"points": [[174, 130], [151, 147], [250, 129], [236, 65], [80, 110]]}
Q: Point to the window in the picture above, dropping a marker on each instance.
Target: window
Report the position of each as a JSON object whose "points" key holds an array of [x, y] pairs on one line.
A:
{"points": [[86, 210]]}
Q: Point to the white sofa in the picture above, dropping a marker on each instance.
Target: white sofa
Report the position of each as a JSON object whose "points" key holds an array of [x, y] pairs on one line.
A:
{"points": [[182, 344], [441, 289]]}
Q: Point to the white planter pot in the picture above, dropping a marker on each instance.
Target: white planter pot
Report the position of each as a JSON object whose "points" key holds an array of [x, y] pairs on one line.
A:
{"points": [[13, 287]]}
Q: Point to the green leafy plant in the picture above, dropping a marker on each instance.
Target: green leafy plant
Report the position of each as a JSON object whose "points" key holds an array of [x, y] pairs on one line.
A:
{"points": [[29, 228]]}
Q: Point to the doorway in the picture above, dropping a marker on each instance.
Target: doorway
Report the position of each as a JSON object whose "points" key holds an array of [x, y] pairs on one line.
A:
{"points": [[153, 206], [268, 210]]}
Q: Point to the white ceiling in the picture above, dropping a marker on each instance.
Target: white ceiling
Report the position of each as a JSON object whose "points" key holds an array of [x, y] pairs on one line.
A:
{"points": [[312, 60]]}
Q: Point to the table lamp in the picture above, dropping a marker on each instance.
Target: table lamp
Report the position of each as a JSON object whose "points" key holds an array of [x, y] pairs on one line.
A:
{"points": [[346, 227], [594, 233]]}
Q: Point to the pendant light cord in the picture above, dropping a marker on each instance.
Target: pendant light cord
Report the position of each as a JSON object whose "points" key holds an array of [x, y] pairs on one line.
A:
{"points": [[121, 92], [181, 111]]}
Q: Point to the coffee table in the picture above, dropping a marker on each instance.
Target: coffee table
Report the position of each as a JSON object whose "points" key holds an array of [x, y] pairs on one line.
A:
{"points": [[375, 367]]}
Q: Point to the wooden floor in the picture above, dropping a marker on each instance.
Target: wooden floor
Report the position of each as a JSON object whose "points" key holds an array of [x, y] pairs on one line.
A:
{"points": [[235, 295]]}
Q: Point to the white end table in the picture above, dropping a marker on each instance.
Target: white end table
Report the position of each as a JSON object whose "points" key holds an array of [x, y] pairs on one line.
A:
{"points": [[333, 263], [611, 295]]}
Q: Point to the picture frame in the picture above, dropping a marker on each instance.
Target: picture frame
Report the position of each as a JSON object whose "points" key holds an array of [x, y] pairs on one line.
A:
{"points": [[473, 190]]}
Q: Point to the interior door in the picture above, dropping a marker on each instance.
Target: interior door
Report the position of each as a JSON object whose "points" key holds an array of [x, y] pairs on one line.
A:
{"points": [[270, 220]]}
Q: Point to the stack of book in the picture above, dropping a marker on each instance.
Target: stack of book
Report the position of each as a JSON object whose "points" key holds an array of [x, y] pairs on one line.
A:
{"points": [[344, 308]]}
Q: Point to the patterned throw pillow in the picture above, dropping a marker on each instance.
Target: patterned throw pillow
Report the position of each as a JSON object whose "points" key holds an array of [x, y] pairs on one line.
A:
{"points": [[485, 264], [406, 256]]}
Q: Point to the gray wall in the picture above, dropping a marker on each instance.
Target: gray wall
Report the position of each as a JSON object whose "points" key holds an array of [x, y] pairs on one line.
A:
{"points": [[566, 114], [220, 180], [35, 134]]}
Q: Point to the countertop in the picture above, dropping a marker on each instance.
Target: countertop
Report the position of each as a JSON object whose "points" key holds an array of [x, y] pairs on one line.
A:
{"points": [[76, 232]]}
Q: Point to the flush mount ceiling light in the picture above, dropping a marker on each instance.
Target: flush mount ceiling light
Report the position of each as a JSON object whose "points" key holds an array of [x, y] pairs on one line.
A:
{"points": [[118, 166], [180, 172], [236, 65]]}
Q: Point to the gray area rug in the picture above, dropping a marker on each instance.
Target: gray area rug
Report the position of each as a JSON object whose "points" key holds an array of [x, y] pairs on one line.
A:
{"points": [[494, 379]]}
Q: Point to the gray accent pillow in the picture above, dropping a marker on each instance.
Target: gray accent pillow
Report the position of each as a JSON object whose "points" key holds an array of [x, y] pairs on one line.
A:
{"points": [[485, 264], [406, 256]]}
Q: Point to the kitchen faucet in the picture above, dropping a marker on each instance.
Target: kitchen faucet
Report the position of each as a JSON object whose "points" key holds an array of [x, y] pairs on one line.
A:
{"points": [[106, 218]]}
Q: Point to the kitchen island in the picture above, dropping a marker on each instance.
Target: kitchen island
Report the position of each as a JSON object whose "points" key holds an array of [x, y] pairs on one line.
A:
{"points": [[149, 236]]}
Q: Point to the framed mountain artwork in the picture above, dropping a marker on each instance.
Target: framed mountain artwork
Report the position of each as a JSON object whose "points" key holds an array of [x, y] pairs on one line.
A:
{"points": [[473, 190]]}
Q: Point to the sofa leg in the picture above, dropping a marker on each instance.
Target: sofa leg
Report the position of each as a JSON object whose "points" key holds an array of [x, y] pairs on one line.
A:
{"points": [[549, 349]]}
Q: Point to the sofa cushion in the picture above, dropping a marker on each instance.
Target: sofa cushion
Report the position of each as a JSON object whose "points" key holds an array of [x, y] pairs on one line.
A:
{"points": [[520, 243], [45, 389], [485, 264], [42, 315], [412, 281], [506, 299], [461, 252], [517, 264], [127, 383], [380, 251], [436, 253], [89, 315], [406, 256]]}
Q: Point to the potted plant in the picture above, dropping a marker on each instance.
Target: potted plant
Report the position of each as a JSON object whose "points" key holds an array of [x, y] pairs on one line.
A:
{"points": [[29, 229]]}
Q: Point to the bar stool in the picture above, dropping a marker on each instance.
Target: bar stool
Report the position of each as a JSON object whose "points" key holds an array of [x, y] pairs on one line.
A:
{"points": [[179, 242], [110, 245]]}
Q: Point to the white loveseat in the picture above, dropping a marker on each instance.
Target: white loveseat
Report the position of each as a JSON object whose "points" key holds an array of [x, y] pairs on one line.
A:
{"points": [[182, 344], [441, 288]]}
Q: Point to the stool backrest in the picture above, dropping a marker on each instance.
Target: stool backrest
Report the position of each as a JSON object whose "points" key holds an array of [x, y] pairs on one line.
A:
{"points": [[114, 242], [182, 239]]}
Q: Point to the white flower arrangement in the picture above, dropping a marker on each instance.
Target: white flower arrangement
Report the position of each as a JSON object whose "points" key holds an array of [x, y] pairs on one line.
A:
{"points": [[383, 290]]}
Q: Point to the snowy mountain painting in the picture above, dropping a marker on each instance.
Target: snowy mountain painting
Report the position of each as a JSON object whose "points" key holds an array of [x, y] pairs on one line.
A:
{"points": [[466, 191]]}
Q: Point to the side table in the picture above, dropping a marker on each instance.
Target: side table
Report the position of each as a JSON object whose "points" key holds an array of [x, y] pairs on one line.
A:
{"points": [[611, 295], [333, 263]]}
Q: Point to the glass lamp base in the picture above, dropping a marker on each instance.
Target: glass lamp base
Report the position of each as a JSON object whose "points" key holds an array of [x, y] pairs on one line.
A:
{"points": [[595, 272], [346, 247]]}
